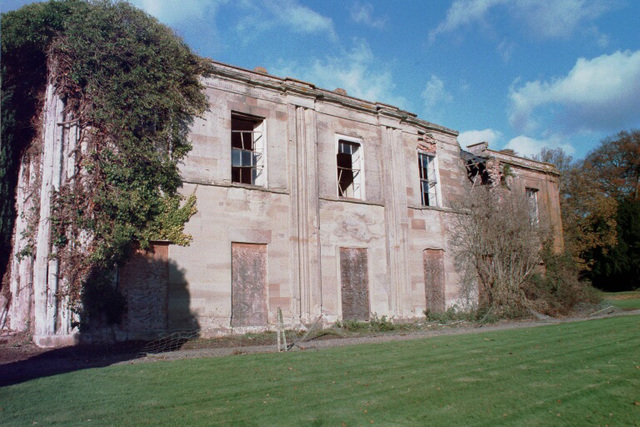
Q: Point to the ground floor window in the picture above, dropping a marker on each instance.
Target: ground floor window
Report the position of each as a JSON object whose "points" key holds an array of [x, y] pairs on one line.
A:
{"points": [[434, 280], [354, 278], [248, 284]]}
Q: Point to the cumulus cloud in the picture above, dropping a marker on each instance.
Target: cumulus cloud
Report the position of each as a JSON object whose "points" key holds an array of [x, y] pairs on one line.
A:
{"points": [[357, 71], [529, 147], [172, 12], [362, 13], [544, 18], [474, 136], [598, 94], [434, 96]]}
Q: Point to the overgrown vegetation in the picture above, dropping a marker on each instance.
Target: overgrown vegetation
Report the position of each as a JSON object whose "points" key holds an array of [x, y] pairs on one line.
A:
{"points": [[579, 373], [375, 324], [558, 289], [496, 245], [132, 88], [600, 202]]}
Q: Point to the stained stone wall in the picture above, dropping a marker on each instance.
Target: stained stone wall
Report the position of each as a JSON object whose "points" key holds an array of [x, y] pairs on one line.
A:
{"points": [[321, 254]]}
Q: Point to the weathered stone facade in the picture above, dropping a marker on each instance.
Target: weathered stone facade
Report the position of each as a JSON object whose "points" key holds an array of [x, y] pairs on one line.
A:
{"points": [[339, 256], [538, 181], [309, 201]]}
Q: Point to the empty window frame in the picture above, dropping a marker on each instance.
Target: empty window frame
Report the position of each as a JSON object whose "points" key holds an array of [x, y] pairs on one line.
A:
{"points": [[350, 173], [532, 198], [248, 145], [429, 190]]}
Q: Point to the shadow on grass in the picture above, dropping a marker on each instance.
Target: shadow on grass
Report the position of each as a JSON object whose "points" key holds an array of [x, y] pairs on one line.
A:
{"points": [[69, 359], [164, 316]]}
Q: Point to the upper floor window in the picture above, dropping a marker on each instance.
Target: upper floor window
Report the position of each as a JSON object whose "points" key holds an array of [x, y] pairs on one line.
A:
{"points": [[350, 174], [532, 198], [248, 145], [428, 179]]}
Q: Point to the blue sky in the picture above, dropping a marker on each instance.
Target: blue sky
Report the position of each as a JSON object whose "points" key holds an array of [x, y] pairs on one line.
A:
{"points": [[520, 74]]}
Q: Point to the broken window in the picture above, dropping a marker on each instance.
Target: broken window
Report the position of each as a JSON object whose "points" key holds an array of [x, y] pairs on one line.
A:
{"points": [[247, 150], [428, 179], [349, 169], [532, 198], [354, 277], [248, 284]]}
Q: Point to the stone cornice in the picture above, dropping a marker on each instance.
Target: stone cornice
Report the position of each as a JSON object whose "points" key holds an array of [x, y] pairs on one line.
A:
{"points": [[305, 89]]}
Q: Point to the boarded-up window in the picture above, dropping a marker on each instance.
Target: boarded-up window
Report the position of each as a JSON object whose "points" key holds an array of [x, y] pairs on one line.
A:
{"points": [[248, 284], [144, 282], [354, 276], [434, 279]]}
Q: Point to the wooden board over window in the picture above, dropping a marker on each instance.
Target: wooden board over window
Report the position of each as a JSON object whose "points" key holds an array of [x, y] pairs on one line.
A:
{"points": [[434, 279], [354, 276], [248, 284], [144, 282]]}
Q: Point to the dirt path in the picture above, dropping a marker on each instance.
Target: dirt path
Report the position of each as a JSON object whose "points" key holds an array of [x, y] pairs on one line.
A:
{"points": [[458, 329]]}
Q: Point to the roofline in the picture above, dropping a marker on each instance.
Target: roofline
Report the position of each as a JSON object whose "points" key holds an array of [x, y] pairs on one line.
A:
{"points": [[300, 87], [515, 160]]}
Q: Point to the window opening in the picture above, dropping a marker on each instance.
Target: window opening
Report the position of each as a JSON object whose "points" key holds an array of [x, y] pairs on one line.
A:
{"points": [[247, 150], [428, 182], [349, 169], [532, 198]]}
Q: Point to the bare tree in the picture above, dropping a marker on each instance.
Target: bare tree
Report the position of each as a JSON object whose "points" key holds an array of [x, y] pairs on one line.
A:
{"points": [[497, 241]]}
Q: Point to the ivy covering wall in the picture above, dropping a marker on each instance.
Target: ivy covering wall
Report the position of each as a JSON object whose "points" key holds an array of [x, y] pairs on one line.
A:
{"points": [[132, 88]]}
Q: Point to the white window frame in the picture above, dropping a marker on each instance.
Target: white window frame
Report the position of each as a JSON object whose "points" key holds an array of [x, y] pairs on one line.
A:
{"points": [[433, 182], [258, 160], [357, 188]]}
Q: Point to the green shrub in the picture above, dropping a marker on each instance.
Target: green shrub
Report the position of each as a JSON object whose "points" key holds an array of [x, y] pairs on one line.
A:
{"points": [[375, 324], [455, 313], [558, 289]]}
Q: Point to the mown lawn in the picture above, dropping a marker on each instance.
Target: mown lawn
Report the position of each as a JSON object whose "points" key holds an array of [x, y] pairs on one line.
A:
{"points": [[623, 300], [574, 374]]}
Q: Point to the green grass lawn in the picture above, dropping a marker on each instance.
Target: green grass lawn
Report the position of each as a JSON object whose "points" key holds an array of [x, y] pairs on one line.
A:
{"points": [[624, 300], [572, 374]]}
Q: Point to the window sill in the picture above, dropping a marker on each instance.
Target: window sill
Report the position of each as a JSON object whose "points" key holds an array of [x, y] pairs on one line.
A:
{"points": [[228, 184], [350, 200], [429, 208]]}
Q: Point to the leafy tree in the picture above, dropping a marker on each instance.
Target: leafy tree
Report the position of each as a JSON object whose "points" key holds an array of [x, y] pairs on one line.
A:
{"points": [[600, 201], [588, 211], [132, 87], [618, 268], [616, 165]]}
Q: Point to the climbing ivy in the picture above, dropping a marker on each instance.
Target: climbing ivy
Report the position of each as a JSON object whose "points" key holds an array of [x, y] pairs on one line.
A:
{"points": [[133, 88]]}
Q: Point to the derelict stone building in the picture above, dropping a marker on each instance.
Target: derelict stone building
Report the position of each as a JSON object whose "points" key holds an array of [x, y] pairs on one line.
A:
{"points": [[309, 201], [317, 203]]}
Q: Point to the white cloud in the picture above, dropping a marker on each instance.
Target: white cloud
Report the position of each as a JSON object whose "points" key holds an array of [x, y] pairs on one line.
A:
{"points": [[298, 18], [474, 136], [557, 19], [598, 94], [357, 71], [544, 18], [267, 15], [434, 96], [171, 12], [363, 14], [506, 48], [529, 147], [463, 12]]}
